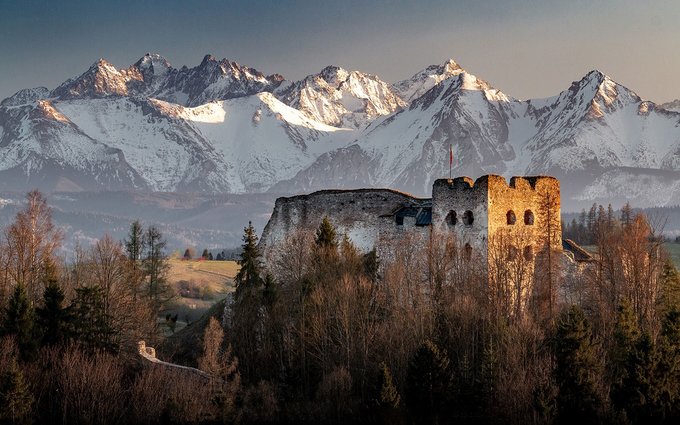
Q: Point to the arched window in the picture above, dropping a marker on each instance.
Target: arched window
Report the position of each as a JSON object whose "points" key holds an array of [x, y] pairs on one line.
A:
{"points": [[468, 218], [528, 252], [399, 220], [452, 218], [468, 251], [512, 252], [528, 218], [510, 216]]}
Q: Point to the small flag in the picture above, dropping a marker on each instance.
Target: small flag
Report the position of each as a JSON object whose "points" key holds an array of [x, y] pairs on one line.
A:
{"points": [[450, 158]]}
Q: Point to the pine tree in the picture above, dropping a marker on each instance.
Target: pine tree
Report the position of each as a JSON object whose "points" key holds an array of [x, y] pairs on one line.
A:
{"points": [[668, 375], [91, 326], [371, 265], [326, 236], [388, 399], [670, 287], [155, 266], [639, 396], [53, 317], [247, 305], [591, 223], [20, 321], [429, 383], [269, 292], [204, 255], [134, 243], [16, 399], [626, 335], [626, 215], [610, 216], [249, 274], [576, 369]]}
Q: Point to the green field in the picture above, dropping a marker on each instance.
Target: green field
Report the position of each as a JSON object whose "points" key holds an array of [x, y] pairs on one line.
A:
{"points": [[673, 250], [197, 285]]}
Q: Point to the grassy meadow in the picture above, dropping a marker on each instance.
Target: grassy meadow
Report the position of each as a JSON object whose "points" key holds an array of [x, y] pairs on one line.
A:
{"points": [[197, 285]]}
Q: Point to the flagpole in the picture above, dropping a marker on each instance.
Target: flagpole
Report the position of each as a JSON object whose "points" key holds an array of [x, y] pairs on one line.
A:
{"points": [[450, 159]]}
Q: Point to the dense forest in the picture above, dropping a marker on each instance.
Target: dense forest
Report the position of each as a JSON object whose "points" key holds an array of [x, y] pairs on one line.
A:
{"points": [[326, 333]]}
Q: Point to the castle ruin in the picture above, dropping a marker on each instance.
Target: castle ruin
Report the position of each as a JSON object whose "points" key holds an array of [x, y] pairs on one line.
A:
{"points": [[500, 229], [523, 214]]}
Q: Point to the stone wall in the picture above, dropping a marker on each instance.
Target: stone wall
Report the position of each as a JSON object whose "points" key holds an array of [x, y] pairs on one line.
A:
{"points": [[525, 194], [461, 195], [358, 213], [366, 216]]}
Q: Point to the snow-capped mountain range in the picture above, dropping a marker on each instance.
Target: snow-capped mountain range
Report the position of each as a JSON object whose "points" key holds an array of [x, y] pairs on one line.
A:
{"points": [[221, 127]]}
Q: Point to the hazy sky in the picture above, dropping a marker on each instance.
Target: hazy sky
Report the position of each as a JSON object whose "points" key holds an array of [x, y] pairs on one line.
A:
{"points": [[527, 48]]}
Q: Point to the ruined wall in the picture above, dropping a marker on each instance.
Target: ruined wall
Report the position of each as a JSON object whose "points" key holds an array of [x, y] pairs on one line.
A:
{"points": [[356, 213], [460, 195]]}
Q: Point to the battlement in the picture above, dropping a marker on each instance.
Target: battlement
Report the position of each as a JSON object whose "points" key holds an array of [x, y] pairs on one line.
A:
{"points": [[495, 181]]}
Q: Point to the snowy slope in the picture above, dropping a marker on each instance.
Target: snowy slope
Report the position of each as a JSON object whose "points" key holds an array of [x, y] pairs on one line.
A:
{"points": [[221, 127], [265, 140], [596, 126], [409, 149], [341, 98], [671, 106]]}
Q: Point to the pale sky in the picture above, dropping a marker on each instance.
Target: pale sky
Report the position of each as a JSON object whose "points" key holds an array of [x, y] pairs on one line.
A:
{"points": [[526, 48]]}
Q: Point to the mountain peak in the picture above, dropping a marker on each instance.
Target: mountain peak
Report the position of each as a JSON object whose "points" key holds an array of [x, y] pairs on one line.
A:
{"points": [[102, 64], [422, 81], [152, 64], [450, 67], [208, 58], [333, 74], [596, 76]]}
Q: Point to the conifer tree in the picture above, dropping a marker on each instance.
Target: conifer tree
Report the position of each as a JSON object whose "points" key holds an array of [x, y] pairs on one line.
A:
{"points": [[249, 274], [16, 399], [626, 335], [576, 369], [388, 398], [91, 325], [269, 292], [134, 243], [626, 215], [640, 397], [371, 265], [326, 235], [53, 317], [668, 374], [155, 267], [429, 383], [20, 321], [670, 287], [247, 304]]}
